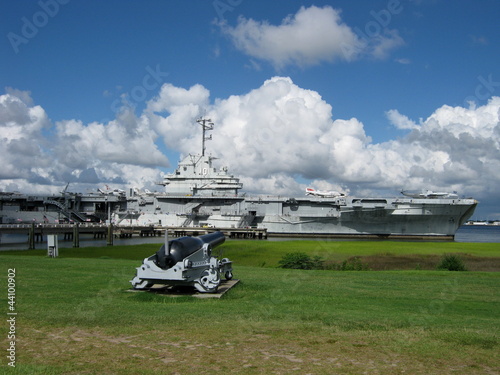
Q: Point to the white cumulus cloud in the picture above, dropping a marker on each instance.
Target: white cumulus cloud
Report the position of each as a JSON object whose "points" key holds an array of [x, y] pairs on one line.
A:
{"points": [[37, 155], [311, 36], [400, 121]]}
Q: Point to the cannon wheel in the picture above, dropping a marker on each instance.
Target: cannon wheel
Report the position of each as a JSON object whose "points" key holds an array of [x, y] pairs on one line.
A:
{"points": [[208, 282]]}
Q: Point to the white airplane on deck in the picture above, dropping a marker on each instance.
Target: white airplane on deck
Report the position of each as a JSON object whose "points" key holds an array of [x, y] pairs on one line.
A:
{"points": [[108, 191], [143, 192], [321, 193], [430, 194]]}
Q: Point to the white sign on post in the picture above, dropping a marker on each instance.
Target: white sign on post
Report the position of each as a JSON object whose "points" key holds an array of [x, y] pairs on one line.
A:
{"points": [[52, 246]]}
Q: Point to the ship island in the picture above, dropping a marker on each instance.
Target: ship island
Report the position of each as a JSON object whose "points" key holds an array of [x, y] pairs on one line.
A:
{"points": [[197, 195]]}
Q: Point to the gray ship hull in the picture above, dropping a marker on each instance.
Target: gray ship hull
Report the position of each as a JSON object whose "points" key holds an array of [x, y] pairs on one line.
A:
{"points": [[381, 217]]}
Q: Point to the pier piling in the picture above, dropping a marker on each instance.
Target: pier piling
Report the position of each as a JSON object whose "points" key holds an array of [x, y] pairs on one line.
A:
{"points": [[110, 235], [76, 236], [31, 237]]}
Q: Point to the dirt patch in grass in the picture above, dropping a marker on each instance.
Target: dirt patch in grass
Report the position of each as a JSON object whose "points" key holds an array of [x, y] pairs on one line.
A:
{"points": [[387, 262], [73, 350]]}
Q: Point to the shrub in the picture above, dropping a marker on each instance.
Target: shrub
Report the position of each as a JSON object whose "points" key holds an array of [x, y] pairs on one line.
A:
{"points": [[352, 264], [451, 262], [301, 261]]}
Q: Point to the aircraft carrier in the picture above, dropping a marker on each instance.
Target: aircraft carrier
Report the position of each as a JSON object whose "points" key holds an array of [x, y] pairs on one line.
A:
{"points": [[197, 194]]}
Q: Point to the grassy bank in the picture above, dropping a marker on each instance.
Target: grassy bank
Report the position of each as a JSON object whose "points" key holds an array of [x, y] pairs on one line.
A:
{"points": [[75, 316], [380, 255]]}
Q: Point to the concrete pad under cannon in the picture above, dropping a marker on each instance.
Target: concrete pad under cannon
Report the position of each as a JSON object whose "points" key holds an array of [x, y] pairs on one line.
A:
{"points": [[224, 286]]}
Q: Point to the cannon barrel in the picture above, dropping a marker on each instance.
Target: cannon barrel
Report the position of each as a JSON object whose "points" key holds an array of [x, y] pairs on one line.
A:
{"points": [[215, 239], [181, 248]]}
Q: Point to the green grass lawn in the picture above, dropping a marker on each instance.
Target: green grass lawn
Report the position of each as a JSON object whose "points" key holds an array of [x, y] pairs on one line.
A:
{"points": [[76, 315], [267, 253]]}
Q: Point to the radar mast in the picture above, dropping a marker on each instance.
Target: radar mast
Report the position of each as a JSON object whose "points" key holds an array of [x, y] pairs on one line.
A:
{"points": [[206, 124]]}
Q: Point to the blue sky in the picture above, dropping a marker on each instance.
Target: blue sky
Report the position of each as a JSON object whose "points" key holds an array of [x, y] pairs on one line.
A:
{"points": [[394, 78]]}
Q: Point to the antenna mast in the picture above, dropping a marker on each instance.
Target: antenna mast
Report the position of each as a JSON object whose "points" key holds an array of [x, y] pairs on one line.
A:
{"points": [[206, 124]]}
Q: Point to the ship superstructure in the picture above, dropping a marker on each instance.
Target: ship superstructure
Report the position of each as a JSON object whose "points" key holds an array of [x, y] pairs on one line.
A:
{"points": [[195, 175]]}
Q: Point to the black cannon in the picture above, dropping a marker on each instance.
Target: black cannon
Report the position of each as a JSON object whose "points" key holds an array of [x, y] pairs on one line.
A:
{"points": [[185, 261]]}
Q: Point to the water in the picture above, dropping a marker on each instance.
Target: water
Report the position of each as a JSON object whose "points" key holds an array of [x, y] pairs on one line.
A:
{"points": [[478, 233], [20, 242], [466, 233]]}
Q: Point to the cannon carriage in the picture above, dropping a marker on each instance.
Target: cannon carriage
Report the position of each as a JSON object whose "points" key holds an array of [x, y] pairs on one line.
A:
{"points": [[186, 261]]}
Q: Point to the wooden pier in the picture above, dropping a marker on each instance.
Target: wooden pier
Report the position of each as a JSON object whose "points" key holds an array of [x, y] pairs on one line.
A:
{"points": [[36, 232], [153, 231]]}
